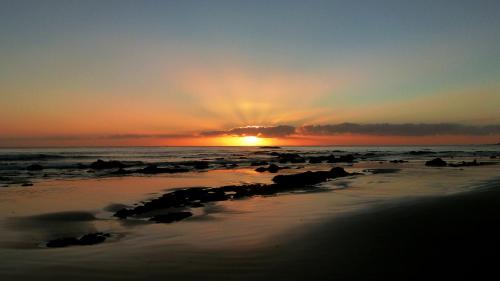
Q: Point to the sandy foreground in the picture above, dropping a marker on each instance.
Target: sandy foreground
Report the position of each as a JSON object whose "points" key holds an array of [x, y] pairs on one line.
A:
{"points": [[417, 223]]}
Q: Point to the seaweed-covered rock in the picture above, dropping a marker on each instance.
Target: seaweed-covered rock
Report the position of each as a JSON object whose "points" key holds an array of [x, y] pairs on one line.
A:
{"points": [[436, 162]]}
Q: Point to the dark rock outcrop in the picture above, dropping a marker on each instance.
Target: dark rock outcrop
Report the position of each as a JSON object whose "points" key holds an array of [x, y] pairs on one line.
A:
{"points": [[153, 169], [199, 165], [93, 238], [272, 168], [470, 164], [421, 152], [62, 242], [309, 178], [102, 165], [34, 167], [289, 158], [171, 217], [85, 240], [436, 162], [195, 197]]}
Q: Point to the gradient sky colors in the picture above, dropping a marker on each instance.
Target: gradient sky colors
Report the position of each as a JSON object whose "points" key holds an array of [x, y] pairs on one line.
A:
{"points": [[168, 72]]}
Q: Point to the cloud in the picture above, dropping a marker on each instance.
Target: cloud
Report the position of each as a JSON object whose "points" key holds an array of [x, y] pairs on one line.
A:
{"points": [[265, 132], [407, 129], [96, 137]]}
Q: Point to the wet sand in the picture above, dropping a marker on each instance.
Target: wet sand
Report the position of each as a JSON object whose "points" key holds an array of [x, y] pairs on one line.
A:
{"points": [[455, 237], [404, 222]]}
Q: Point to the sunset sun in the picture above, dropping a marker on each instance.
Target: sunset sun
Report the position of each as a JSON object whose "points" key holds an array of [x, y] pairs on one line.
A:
{"points": [[250, 141]]}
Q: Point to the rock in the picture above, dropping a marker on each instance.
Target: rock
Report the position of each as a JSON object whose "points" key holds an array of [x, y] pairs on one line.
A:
{"points": [[196, 164], [309, 178], [261, 169], [398, 161], [93, 238], [85, 240], [34, 167], [259, 163], [121, 171], [196, 196], [153, 169], [289, 158], [320, 159], [421, 152], [102, 165], [382, 171], [272, 168], [437, 162], [171, 217], [27, 184], [349, 158], [62, 242], [470, 164]]}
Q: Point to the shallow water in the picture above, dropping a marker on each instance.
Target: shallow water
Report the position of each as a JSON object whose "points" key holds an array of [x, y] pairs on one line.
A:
{"points": [[223, 240]]}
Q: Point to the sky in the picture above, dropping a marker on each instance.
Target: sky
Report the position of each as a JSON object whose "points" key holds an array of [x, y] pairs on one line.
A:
{"points": [[78, 73]]}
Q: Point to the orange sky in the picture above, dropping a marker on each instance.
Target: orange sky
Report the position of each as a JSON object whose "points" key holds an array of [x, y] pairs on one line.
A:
{"points": [[88, 74]]}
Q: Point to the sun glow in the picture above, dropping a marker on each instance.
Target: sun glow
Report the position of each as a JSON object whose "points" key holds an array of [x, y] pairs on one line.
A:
{"points": [[250, 140], [244, 141]]}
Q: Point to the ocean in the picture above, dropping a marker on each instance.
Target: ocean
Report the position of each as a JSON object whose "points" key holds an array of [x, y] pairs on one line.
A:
{"points": [[47, 194]]}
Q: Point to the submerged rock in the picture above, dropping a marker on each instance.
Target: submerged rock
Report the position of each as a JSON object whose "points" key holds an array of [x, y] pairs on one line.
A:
{"points": [[436, 162]]}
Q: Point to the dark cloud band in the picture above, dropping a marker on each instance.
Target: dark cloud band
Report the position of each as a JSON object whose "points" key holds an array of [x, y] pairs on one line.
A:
{"points": [[266, 132], [409, 129]]}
